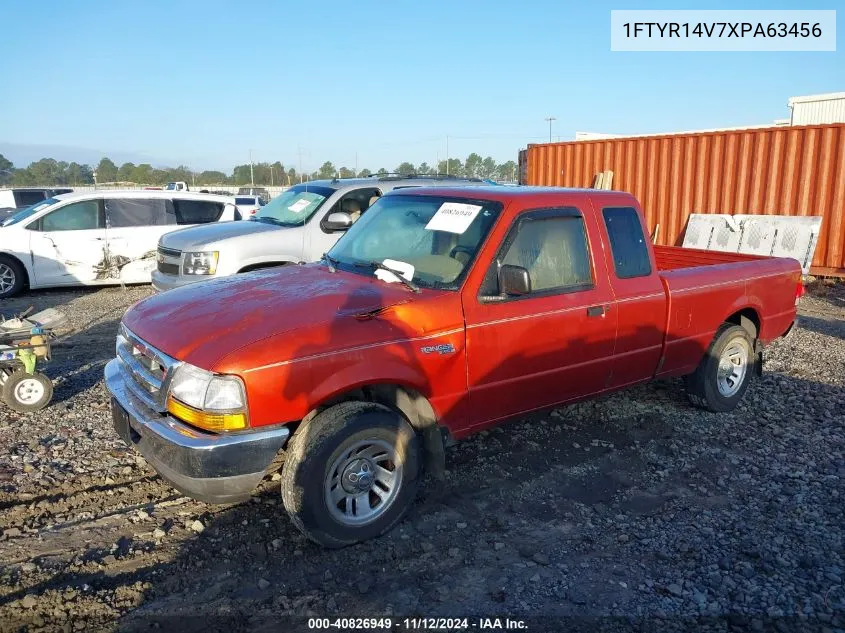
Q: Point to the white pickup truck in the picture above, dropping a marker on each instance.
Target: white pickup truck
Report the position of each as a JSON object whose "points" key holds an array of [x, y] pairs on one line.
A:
{"points": [[297, 226]]}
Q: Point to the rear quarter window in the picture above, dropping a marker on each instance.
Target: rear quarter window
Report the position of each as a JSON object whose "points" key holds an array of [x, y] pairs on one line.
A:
{"points": [[27, 198], [627, 242]]}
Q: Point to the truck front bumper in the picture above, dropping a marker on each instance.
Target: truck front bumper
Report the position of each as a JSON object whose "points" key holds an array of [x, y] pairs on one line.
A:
{"points": [[213, 468], [162, 282]]}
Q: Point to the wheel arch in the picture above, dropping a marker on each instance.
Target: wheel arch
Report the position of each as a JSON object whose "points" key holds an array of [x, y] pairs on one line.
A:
{"points": [[26, 274], [749, 319], [411, 404]]}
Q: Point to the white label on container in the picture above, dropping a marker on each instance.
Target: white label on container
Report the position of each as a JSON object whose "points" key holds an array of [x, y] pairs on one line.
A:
{"points": [[453, 217], [299, 206]]}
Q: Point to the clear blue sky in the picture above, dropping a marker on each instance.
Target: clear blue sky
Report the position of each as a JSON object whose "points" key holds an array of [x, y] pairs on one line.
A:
{"points": [[202, 83]]}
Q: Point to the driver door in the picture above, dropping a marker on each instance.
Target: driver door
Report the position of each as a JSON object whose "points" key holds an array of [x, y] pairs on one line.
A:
{"points": [[552, 345], [68, 245]]}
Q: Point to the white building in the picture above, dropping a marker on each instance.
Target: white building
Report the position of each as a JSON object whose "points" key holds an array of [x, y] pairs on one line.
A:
{"points": [[809, 110], [816, 109]]}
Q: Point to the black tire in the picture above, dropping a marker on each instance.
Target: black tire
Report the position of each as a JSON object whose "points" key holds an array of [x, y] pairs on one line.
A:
{"points": [[703, 384], [9, 265], [320, 443], [12, 396]]}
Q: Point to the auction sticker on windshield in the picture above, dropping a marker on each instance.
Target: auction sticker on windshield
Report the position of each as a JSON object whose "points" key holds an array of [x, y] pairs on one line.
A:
{"points": [[299, 206], [453, 217]]}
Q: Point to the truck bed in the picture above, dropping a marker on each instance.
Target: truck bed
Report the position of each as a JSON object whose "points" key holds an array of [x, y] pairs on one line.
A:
{"points": [[674, 257], [704, 287]]}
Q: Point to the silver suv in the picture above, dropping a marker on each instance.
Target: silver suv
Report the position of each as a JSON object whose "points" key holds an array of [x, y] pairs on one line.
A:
{"points": [[297, 226]]}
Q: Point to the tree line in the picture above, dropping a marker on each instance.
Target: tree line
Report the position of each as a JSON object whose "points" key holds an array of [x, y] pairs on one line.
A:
{"points": [[49, 171]]}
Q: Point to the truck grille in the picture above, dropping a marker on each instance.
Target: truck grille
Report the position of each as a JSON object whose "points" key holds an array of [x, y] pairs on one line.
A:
{"points": [[146, 371], [169, 260]]}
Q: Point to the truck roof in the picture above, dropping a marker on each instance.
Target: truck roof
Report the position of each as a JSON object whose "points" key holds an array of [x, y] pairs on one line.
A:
{"points": [[506, 194]]}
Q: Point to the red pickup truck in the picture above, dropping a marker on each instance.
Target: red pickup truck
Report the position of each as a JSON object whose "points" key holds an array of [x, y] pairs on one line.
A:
{"points": [[441, 312]]}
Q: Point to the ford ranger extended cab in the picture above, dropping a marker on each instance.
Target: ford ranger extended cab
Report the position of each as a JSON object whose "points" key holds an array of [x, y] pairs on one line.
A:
{"points": [[441, 312]]}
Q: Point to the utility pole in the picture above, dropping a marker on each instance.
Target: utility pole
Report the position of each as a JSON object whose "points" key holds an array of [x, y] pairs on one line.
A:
{"points": [[271, 174], [251, 176], [550, 119], [447, 154]]}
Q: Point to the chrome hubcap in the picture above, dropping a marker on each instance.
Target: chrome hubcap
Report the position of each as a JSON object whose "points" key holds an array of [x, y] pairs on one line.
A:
{"points": [[29, 391], [363, 482], [733, 366], [7, 278]]}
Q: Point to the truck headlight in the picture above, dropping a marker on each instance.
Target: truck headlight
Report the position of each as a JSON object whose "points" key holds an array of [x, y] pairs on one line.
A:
{"points": [[206, 400], [200, 263]]}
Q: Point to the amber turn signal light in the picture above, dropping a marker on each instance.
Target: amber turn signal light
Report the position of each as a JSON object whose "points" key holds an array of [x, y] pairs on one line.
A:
{"points": [[215, 422]]}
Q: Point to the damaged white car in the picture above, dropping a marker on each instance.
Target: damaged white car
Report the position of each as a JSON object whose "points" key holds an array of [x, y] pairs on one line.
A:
{"points": [[97, 237]]}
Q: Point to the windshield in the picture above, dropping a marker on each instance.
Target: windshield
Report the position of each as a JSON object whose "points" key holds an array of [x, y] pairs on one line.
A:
{"points": [[433, 239], [293, 207], [23, 214]]}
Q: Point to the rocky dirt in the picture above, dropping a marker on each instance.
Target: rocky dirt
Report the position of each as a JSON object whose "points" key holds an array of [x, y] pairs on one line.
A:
{"points": [[635, 505]]}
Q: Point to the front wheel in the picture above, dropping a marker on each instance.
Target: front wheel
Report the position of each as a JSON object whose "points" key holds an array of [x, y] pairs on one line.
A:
{"points": [[350, 473], [27, 393], [12, 277], [723, 376]]}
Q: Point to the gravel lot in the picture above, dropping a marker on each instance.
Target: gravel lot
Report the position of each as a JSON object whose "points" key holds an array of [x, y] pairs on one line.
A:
{"points": [[634, 505]]}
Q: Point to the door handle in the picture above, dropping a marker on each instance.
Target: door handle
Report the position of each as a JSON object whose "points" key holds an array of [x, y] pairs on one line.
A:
{"points": [[595, 311]]}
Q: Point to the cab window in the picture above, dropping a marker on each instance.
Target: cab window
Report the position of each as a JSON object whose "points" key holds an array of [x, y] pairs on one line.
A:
{"points": [[551, 245], [355, 203], [627, 242]]}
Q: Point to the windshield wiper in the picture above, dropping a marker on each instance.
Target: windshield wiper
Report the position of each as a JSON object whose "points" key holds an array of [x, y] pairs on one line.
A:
{"points": [[331, 261], [410, 285]]}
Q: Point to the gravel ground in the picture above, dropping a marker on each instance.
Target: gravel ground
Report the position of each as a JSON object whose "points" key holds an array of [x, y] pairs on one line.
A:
{"points": [[635, 505]]}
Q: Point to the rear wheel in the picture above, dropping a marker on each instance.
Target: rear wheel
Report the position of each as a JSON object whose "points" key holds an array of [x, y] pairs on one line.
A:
{"points": [[723, 376], [350, 473], [12, 277], [27, 393]]}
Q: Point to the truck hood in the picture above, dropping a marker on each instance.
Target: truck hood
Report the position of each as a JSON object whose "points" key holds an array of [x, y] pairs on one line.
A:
{"points": [[196, 238], [205, 322]]}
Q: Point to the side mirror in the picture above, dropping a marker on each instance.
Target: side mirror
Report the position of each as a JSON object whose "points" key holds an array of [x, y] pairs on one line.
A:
{"points": [[514, 281], [338, 221]]}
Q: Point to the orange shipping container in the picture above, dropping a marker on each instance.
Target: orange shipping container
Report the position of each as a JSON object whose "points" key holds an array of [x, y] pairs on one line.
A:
{"points": [[796, 170]]}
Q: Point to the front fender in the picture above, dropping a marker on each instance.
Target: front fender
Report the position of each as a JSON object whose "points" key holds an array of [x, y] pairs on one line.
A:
{"points": [[359, 375]]}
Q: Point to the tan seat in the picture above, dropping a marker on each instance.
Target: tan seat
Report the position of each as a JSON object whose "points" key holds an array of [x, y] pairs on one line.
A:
{"points": [[353, 208]]}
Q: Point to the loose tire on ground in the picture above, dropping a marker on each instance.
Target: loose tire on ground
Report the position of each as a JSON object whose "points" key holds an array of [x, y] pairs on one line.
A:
{"points": [[12, 277], [27, 393], [336, 466], [723, 376]]}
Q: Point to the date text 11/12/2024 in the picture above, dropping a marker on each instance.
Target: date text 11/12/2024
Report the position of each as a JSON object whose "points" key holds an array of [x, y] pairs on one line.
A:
{"points": [[417, 624]]}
